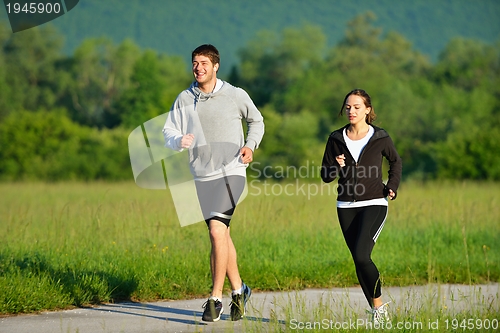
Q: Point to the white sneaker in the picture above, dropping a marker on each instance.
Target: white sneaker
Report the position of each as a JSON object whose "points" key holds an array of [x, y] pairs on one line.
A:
{"points": [[380, 315]]}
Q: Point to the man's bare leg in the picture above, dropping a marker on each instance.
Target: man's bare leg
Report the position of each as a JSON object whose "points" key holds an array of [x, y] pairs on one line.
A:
{"points": [[219, 235], [232, 273]]}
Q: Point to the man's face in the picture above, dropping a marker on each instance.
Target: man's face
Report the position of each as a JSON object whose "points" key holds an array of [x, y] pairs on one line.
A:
{"points": [[204, 70]]}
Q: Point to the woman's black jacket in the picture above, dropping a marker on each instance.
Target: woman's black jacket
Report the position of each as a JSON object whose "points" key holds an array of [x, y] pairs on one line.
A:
{"points": [[362, 180]]}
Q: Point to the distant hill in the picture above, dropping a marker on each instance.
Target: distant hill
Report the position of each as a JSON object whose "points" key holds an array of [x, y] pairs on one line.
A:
{"points": [[176, 27]]}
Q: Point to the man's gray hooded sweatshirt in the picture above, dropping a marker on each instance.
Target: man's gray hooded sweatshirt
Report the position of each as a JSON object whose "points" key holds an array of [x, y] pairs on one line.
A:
{"points": [[215, 120]]}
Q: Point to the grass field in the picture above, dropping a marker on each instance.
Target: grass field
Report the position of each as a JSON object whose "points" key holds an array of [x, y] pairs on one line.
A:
{"points": [[71, 244]]}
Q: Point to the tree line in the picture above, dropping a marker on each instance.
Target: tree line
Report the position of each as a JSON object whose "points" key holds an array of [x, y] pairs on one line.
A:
{"points": [[69, 116]]}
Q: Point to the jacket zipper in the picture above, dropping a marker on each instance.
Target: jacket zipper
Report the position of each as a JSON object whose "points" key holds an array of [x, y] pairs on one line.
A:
{"points": [[357, 164], [356, 169], [355, 172], [355, 182]]}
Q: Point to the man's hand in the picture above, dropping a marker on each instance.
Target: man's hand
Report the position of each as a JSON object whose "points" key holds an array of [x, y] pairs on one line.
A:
{"points": [[392, 195], [246, 155], [187, 140]]}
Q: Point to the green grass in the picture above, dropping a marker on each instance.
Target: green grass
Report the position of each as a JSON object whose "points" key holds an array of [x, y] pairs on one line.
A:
{"points": [[422, 310], [72, 244]]}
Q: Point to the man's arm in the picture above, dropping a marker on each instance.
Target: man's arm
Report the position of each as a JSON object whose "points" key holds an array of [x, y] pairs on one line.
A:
{"points": [[173, 129], [254, 120]]}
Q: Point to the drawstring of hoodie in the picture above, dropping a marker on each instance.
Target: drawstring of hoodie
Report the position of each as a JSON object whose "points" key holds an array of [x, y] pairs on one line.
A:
{"points": [[198, 95]]}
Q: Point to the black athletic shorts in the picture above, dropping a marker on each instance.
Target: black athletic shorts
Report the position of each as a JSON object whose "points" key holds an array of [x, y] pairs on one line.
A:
{"points": [[218, 198]]}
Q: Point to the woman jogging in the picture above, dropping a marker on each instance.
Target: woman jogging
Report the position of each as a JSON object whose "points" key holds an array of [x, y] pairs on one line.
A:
{"points": [[354, 154]]}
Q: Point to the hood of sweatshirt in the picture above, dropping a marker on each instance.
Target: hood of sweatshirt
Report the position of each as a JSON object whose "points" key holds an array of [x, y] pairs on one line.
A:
{"points": [[200, 96], [378, 134]]}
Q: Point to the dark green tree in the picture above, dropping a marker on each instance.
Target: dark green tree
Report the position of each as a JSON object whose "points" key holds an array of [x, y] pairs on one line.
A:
{"points": [[100, 73], [271, 62], [155, 82], [468, 64], [29, 72], [45, 145], [5, 94]]}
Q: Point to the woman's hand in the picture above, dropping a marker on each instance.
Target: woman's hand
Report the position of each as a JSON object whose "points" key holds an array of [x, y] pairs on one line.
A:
{"points": [[341, 160]]}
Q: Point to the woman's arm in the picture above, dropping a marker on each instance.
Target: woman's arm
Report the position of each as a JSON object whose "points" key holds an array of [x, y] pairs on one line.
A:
{"points": [[395, 167], [330, 167]]}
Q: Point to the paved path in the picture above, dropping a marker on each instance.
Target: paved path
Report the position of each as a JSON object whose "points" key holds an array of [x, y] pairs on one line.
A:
{"points": [[292, 310]]}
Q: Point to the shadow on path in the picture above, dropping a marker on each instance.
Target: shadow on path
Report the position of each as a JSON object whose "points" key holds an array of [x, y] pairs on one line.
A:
{"points": [[157, 311]]}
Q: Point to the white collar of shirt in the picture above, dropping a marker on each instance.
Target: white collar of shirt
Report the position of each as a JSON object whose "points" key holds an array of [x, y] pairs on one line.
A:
{"points": [[356, 146], [218, 85]]}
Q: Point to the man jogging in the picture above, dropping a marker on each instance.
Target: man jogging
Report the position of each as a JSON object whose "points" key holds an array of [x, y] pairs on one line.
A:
{"points": [[206, 119]]}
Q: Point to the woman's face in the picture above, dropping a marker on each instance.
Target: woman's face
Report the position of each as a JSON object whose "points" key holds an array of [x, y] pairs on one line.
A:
{"points": [[356, 110]]}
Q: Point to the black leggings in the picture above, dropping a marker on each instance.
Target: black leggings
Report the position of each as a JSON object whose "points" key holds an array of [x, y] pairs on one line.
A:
{"points": [[361, 227]]}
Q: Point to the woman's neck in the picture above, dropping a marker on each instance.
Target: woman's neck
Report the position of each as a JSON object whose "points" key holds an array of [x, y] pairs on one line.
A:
{"points": [[359, 128]]}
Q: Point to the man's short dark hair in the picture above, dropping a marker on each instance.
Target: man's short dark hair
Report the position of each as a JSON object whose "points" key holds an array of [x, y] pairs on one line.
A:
{"points": [[209, 51]]}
